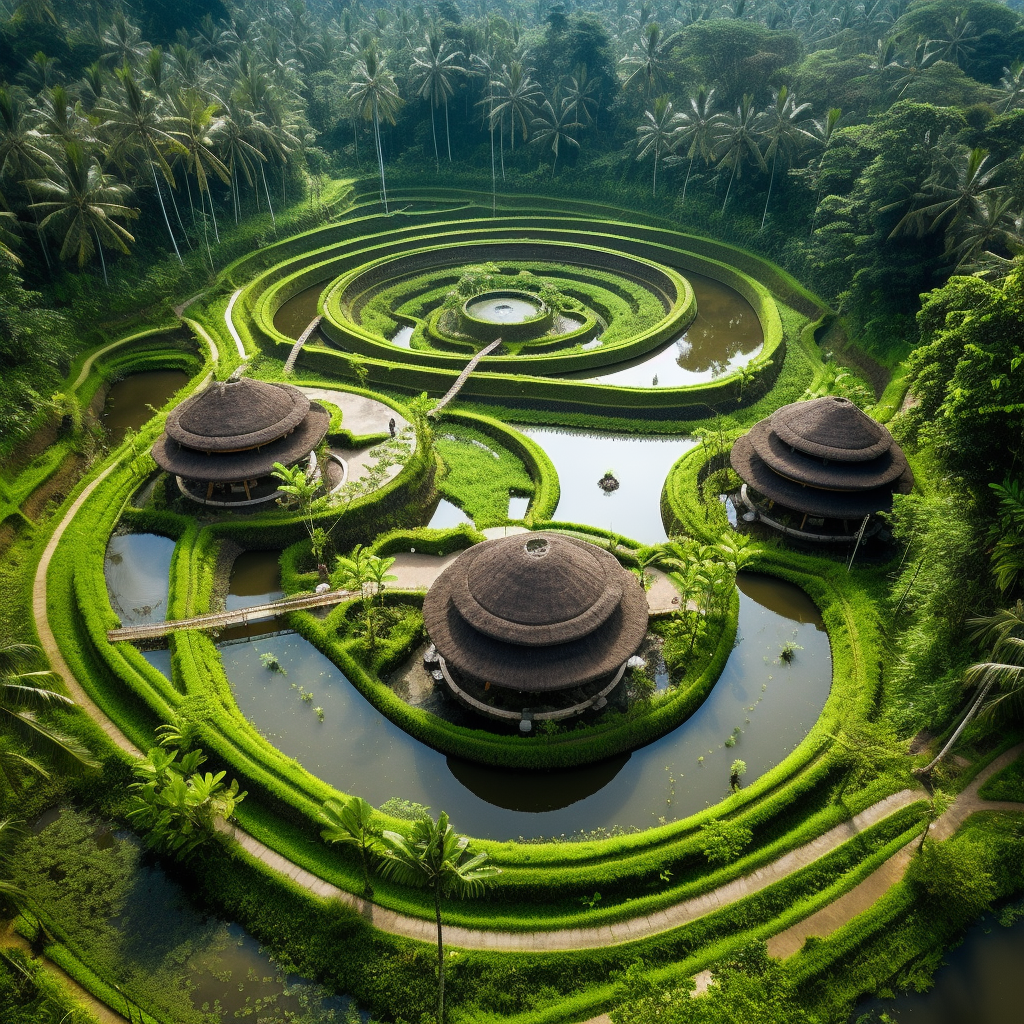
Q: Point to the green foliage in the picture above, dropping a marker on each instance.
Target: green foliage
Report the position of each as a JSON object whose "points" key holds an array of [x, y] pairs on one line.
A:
{"points": [[176, 806], [723, 840]]}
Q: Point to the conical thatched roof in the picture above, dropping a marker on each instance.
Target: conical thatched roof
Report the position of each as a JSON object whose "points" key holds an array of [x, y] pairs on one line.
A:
{"points": [[825, 458], [536, 612], [232, 415]]}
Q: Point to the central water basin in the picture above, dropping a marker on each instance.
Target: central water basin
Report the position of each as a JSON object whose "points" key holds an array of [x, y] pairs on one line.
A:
{"points": [[503, 310], [359, 751], [128, 401], [640, 464], [137, 568]]}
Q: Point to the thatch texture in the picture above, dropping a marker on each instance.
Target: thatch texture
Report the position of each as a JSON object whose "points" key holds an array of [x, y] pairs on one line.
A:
{"points": [[234, 467], [535, 613], [233, 415], [824, 458]]}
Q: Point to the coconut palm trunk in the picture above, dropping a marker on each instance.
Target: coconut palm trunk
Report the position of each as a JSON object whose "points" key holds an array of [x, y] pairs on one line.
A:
{"points": [[163, 210], [273, 219], [771, 182], [447, 131]]}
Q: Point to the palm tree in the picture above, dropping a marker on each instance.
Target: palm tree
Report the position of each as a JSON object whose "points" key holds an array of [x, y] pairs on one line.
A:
{"points": [[780, 124], [581, 100], [140, 132], [737, 142], [823, 130], [349, 823], [434, 68], [953, 194], [646, 64], [554, 125], [20, 696], [237, 149], [1004, 673], [80, 204], [658, 134], [517, 96], [436, 857], [995, 224], [196, 134], [956, 42], [697, 129], [375, 94], [1012, 84]]}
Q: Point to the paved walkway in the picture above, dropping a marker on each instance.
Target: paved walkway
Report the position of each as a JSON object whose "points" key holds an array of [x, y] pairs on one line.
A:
{"points": [[418, 572], [359, 415], [231, 325], [879, 882]]}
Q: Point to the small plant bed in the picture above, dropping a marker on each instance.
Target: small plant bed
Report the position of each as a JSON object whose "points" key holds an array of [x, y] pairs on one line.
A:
{"points": [[481, 474]]}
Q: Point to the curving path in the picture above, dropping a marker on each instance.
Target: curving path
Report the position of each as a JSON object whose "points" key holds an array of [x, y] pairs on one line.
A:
{"points": [[824, 922], [360, 415]]}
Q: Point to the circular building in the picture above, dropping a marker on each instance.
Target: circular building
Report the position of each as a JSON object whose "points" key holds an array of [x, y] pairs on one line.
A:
{"points": [[535, 615], [816, 469], [221, 444]]}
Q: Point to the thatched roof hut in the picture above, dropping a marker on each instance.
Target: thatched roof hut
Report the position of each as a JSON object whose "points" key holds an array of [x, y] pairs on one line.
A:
{"points": [[824, 459], [233, 432], [535, 613]]}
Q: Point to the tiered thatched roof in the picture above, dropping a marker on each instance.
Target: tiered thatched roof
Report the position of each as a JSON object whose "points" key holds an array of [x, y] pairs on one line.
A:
{"points": [[825, 458], [237, 429], [535, 613]]}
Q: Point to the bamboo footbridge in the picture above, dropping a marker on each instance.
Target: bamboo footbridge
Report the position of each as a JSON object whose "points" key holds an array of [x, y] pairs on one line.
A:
{"points": [[297, 347], [462, 377], [238, 617]]}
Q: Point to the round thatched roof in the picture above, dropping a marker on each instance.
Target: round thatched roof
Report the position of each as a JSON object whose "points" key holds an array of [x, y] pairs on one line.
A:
{"points": [[233, 415], [248, 464], [831, 428], [825, 458], [535, 612]]}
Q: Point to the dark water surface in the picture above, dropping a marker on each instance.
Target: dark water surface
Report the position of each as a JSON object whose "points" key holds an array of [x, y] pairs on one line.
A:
{"points": [[359, 751], [982, 982], [298, 312], [144, 929], [127, 403], [725, 335], [255, 579]]}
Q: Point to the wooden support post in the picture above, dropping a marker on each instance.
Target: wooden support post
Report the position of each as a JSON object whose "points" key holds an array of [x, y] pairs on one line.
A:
{"points": [[804, 520], [245, 484], [209, 490]]}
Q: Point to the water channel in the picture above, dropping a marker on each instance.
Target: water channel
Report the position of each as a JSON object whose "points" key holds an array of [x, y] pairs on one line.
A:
{"points": [[640, 464], [128, 401], [359, 751], [151, 938], [137, 567], [725, 335], [980, 983]]}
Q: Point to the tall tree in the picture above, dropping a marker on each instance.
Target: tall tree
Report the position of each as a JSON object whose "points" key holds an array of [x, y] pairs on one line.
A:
{"points": [[737, 141], [658, 135], [373, 90], [434, 856], [554, 126], [516, 97], [80, 204], [434, 71], [782, 124], [697, 130]]}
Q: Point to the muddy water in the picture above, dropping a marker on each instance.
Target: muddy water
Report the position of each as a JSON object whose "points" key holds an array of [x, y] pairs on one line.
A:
{"points": [[255, 579], [773, 705], [128, 401], [640, 464], [724, 336], [298, 312], [137, 567]]}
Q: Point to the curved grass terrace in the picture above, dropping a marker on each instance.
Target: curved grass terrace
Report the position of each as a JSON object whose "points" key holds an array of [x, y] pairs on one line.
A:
{"points": [[596, 825]]}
